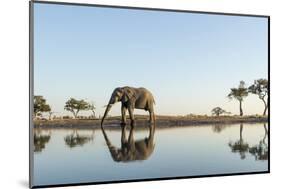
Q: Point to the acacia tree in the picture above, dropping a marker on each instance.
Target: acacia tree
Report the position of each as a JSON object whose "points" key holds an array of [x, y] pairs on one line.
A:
{"points": [[239, 94], [50, 114], [260, 88], [91, 107], [40, 105], [75, 106], [218, 111]]}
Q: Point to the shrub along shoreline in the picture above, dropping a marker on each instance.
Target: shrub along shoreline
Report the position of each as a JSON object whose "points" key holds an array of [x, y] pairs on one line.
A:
{"points": [[142, 121]]}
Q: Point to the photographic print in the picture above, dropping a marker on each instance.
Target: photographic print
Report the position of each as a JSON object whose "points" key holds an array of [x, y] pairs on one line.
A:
{"points": [[122, 94]]}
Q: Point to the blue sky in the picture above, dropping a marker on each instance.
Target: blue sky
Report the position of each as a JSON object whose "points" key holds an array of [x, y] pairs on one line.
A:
{"points": [[188, 61]]}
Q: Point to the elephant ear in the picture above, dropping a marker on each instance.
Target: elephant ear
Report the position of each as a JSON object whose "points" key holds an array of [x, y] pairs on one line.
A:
{"points": [[129, 94]]}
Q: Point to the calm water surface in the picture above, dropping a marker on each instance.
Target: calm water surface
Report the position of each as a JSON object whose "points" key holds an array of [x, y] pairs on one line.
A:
{"points": [[74, 156]]}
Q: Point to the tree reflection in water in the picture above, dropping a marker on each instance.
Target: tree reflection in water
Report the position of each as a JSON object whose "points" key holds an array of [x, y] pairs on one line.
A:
{"points": [[40, 139], [75, 139], [217, 128], [240, 146], [131, 150], [260, 151]]}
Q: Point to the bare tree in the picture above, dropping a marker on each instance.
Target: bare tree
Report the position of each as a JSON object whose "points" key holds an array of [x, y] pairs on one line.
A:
{"points": [[92, 108]]}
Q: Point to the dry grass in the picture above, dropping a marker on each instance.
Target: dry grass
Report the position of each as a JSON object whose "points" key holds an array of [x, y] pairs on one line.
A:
{"points": [[142, 120]]}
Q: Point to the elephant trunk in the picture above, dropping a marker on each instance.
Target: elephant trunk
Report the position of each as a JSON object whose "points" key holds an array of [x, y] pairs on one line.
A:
{"points": [[105, 137], [108, 107], [112, 149]]}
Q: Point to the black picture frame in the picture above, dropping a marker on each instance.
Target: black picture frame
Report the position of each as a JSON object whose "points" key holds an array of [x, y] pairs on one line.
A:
{"points": [[31, 89]]}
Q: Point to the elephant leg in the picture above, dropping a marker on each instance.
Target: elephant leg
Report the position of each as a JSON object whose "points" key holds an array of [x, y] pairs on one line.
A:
{"points": [[123, 136], [123, 112], [131, 140], [151, 116], [131, 113], [152, 130]]}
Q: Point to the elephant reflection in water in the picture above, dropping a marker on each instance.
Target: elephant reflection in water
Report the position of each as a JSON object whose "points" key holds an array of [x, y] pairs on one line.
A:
{"points": [[260, 151], [40, 139], [75, 139], [131, 150], [240, 146]]}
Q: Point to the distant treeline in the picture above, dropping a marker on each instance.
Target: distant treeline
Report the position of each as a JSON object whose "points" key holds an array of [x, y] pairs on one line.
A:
{"points": [[72, 105], [260, 88]]}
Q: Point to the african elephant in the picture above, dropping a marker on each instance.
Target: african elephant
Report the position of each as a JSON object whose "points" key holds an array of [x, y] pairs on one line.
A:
{"points": [[131, 150], [131, 98]]}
